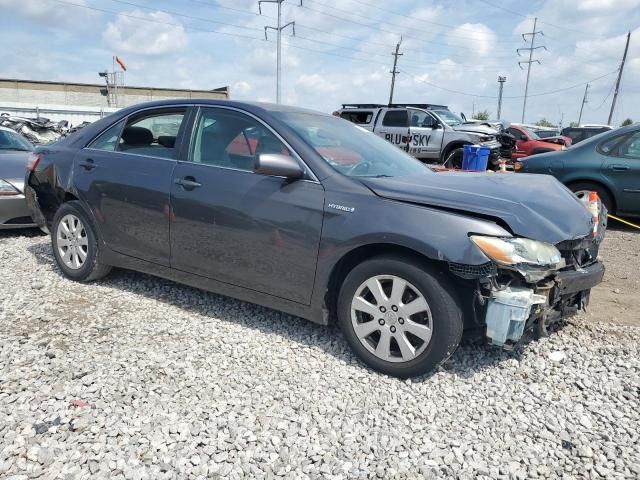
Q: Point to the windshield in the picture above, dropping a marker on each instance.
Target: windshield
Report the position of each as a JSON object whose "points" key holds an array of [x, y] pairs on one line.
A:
{"points": [[449, 117], [352, 150], [533, 135], [13, 141]]}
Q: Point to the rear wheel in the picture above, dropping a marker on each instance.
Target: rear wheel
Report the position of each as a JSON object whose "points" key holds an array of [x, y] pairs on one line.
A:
{"points": [[399, 317], [582, 190], [75, 245]]}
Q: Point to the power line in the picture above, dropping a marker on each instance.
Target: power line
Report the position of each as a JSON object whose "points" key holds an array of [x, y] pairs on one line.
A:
{"points": [[373, 27], [473, 37], [184, 15], [541, 94]]}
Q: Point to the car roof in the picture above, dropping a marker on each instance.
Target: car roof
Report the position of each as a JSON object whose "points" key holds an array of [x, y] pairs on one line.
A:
{"points": [[249, 106], [5, 129]]}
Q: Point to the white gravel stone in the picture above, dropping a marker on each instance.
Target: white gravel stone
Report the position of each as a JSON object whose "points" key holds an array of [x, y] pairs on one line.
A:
{"points": [[180, 383]]}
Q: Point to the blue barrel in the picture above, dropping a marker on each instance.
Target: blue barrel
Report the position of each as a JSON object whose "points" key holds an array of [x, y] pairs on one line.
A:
{"points": [[475, 158]]}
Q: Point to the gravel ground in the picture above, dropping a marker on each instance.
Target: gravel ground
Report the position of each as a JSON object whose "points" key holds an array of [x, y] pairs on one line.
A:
{"points": [[137, 377]]}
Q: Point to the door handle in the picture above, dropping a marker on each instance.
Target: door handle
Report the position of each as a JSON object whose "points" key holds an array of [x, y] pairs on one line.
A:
{"points": [[618, 168], [87, 164], [188, 183]]}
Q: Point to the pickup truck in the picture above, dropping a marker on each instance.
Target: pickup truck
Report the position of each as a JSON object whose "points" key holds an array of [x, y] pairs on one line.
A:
{"points": [[431, 133]]}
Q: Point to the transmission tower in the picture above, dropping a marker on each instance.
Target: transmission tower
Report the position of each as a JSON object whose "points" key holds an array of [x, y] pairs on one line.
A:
{"points": [[531, 60], [278, 30], [395, 71]]}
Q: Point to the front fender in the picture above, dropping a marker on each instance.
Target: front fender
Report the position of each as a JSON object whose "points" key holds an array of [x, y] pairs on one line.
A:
{"points": [[434, 233]]}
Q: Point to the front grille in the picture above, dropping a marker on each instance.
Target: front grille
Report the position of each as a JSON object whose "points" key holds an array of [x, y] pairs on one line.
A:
{"points": [[469, 272]]}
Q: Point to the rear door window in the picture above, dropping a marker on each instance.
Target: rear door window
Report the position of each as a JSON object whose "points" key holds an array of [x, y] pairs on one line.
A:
{"points": [[396, 118], [359, 118], [152, 133]]}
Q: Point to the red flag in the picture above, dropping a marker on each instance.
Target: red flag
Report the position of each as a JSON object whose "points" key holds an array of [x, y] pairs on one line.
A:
{"points": [[121, 63]]}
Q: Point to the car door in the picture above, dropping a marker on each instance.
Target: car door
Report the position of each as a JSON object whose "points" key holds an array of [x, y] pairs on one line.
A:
{"points": [[235, 226], [394, 127], [622, 169], [124, 175], [425, 135], [520, 149]]}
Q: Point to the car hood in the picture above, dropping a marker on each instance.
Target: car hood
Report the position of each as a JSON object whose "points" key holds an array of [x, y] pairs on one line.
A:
{"points": [[478, 129], [533, 206], [13, 167]]}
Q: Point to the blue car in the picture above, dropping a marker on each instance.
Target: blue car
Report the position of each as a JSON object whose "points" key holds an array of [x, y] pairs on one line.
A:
{"points": [[608, 163]]}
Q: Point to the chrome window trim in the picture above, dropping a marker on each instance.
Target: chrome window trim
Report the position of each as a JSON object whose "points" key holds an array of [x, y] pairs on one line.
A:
{"points": [[200, 106]]}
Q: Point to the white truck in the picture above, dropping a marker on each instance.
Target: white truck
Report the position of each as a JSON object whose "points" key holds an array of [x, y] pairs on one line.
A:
{"points": [[431, 133]]}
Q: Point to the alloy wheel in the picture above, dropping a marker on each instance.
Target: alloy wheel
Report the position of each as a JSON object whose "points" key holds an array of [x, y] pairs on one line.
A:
{"points": [[391, 318], [72, 241]]}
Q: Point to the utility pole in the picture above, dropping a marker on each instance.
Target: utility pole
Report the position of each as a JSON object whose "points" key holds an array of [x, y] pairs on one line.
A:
{"points": [[584, 100], [615, 94], [279, 30], [394, 72], [531, 60], [501, 81]]}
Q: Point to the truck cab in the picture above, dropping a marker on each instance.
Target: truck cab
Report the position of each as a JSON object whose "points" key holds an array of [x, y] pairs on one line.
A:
{"points": [[429, 132]]}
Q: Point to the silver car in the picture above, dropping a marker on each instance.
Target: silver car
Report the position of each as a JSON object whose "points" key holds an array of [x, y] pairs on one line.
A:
{"points": [[14, 152]]}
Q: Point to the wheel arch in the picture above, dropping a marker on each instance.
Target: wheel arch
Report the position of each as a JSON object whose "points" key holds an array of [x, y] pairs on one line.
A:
{"points": [[599, 183], [362, 253], [452, 146]]}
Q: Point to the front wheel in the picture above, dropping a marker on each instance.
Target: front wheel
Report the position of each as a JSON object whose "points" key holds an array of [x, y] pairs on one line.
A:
{"points": [[453, 158], [399, 316], [75, 245], [582, 190]]}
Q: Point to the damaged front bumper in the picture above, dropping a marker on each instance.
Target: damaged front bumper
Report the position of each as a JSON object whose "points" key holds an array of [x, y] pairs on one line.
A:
{"points": [[512, 310], [508, 301]]}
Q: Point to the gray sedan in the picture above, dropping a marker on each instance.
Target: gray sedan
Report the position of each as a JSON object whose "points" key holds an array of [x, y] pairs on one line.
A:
{"points": [[14, 153]]}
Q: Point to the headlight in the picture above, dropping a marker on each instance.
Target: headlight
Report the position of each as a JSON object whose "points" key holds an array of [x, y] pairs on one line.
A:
{"points": [[516, 251], [6, 189]]}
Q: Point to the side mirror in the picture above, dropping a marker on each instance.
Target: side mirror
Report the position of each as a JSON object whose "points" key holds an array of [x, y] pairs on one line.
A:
{"points": [[435, 126], [278, 165]]}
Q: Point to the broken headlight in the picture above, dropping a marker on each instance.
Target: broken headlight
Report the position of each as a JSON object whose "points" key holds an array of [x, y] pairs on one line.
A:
{"points": [[518, 251]]}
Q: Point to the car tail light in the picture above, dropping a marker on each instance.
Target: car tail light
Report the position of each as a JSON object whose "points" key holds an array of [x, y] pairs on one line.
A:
{"points": [[33, 161]]}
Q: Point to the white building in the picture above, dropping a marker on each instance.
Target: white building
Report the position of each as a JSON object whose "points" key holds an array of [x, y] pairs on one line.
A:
{"points": [[79, 102]]}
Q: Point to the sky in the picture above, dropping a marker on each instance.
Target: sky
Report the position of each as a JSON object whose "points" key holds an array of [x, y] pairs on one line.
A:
{"points": [[453, 51]]}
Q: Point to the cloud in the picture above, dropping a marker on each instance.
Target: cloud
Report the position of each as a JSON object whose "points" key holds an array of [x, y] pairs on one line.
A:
{"points": [[145, 33], [474, 36]]}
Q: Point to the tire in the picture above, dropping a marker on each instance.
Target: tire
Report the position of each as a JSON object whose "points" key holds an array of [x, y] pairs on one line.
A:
{"points": [[72, 238], [581, 188], [442, 316], [453, 158]]}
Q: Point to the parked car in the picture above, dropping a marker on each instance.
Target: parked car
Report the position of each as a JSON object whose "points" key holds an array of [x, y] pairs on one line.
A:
{"points": [[546, 132], [431, 133], [14, 151], [608, 163], [403, 259], [529, 143], [578, 134]]}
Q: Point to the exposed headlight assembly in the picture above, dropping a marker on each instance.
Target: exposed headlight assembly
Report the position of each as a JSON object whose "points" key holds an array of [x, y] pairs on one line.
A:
{"points": [[519, 251]]}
